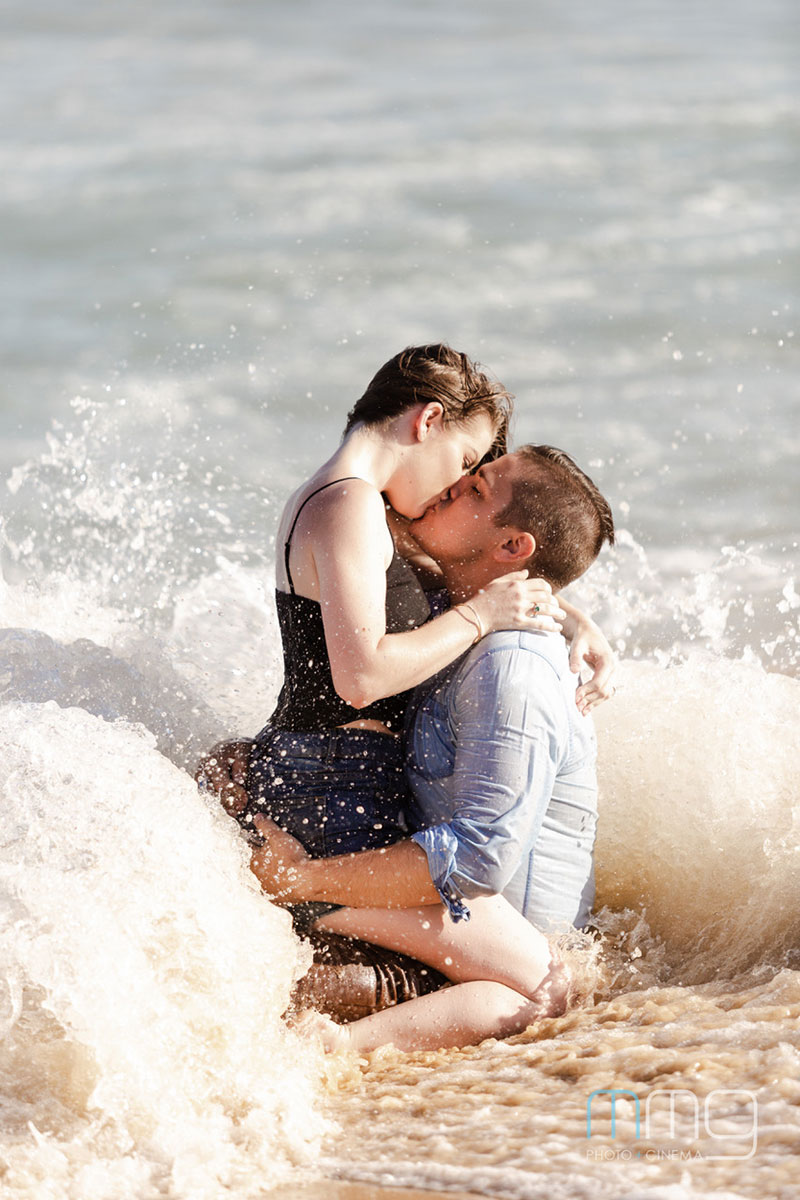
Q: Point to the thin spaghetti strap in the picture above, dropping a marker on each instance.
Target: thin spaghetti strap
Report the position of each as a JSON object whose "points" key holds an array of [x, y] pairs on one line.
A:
{"points": [[287, 545]]}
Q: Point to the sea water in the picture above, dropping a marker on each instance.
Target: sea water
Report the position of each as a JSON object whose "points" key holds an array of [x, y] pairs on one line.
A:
{"points": [[218, 220]]}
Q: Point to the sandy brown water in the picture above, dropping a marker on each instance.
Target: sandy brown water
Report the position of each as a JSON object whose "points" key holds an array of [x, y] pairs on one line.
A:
{"points": [[510, 1118], [329, 1189]]}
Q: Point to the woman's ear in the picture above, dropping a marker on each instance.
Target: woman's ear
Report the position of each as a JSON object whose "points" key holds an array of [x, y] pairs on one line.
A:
{"points": [[428, 416], [516, 547]]}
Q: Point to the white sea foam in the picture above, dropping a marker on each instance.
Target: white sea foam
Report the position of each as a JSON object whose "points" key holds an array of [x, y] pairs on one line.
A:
{"points": [[144, 977], [700, 810]]}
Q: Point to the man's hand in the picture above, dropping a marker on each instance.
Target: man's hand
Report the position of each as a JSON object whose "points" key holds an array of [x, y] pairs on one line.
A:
{"points": [[223, 771], [278, 864]]}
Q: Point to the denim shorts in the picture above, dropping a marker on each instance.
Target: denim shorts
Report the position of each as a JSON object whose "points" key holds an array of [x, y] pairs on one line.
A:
{"points": [[337, 791]]}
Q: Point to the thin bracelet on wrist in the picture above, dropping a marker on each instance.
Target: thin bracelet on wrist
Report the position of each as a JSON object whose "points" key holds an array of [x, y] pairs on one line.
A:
{"points": [[473, 620]]}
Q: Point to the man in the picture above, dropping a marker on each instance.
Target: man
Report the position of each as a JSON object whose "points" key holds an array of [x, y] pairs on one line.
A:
{"points": [[500, 761]]}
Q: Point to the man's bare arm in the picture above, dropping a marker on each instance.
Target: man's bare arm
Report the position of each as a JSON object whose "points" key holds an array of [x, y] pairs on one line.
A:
{"points": [[395, 877]]}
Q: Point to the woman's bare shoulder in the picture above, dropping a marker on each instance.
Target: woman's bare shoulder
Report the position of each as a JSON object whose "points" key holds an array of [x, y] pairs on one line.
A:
{"points": [[319, 496], [348, 514], [343, 523], [342, 496]]}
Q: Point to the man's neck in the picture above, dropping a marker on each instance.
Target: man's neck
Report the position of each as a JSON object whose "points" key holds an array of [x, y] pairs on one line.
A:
{"points": [[464, 579]]}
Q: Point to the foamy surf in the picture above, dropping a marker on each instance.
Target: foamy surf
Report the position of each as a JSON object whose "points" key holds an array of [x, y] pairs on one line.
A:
{"points": [[144, 978], [700, 804]]}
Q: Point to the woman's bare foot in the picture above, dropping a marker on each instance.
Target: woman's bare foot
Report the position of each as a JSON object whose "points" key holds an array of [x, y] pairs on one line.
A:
{"points": [[552, 994], [317, 1025]]}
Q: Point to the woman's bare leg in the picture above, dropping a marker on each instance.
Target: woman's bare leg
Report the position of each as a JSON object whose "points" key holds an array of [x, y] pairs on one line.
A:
{"points": [[455, 1016], [497, 945]]}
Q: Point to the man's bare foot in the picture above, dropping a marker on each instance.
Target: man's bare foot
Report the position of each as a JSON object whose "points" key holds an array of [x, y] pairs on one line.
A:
{"points": [[317, 1025]]}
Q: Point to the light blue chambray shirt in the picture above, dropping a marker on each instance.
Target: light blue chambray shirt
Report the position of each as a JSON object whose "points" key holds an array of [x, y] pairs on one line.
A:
{"points": [[502, 770]]}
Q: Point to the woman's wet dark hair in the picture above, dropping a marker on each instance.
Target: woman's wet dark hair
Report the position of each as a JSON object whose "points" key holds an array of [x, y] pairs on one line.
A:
{"points": [[435, 373]]}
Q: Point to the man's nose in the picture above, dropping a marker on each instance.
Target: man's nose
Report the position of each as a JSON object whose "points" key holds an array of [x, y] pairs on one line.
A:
{"points": [[446, 495]]}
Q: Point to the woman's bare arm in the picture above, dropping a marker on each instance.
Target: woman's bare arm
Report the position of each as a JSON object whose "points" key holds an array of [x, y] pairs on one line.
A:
{"points": [[367, 663]]}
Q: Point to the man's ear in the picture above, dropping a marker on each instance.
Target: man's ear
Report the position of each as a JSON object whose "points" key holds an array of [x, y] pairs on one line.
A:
{"points": [[428, 416], [517, 547]]}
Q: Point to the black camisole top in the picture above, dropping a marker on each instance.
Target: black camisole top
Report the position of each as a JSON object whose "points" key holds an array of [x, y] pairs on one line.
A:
{"points": [[308, 699]]}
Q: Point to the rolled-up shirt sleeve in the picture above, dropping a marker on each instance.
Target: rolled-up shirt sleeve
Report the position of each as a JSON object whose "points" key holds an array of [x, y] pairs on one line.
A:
{"points": [[505, 713]]}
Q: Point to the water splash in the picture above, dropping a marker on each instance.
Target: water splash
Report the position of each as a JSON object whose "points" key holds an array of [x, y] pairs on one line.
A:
{"points": [[144, 973], [738, 603], [700, 817]]}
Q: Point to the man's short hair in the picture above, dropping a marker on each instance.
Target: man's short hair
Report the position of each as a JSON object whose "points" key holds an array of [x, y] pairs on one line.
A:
{"points": [[556, 502], [423, 374]]}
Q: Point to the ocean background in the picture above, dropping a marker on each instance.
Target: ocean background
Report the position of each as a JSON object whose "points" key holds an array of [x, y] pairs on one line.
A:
{"points": [[216, 221]]}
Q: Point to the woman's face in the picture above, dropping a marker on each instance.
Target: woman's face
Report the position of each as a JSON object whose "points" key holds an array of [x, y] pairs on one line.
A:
{"points": [[438, 460]]}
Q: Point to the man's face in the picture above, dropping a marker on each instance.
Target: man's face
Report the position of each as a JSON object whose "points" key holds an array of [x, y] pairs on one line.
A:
{"points": [[460, 526]]}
